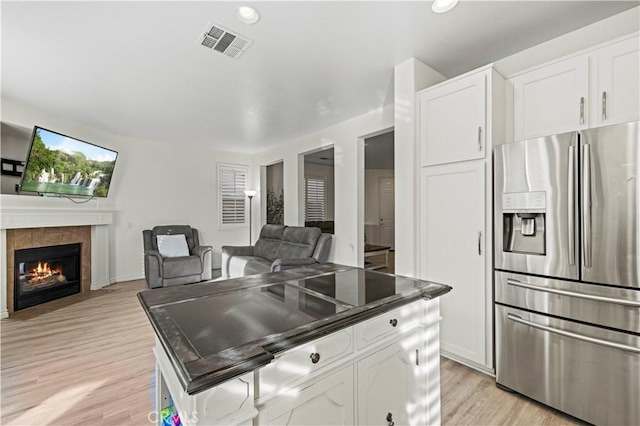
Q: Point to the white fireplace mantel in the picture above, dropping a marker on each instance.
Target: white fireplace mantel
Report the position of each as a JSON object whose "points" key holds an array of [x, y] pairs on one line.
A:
{"points": [[36, 215], [17, 218]]}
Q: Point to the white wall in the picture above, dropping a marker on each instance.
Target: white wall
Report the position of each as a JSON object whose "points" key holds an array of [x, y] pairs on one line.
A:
{"points": [[327, 172], [154, 183], [409, 77], [346, 138]]}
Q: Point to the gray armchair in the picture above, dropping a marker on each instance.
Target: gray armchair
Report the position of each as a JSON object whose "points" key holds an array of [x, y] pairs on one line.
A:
{"points": [[279, 247], [166, 271]]}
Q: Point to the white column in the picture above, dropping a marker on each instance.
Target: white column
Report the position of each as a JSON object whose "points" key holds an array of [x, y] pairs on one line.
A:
{"points": [[409, 77]]}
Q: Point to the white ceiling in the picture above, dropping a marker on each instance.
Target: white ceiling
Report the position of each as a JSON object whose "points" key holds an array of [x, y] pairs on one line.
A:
{"points": [[136, 68]]}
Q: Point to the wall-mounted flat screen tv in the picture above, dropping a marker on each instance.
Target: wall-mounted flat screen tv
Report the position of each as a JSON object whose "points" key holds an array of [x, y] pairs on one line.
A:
{"points": [[59, 164]]}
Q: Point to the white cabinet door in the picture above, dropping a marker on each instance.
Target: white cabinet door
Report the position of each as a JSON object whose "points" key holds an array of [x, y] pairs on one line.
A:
{"points": [[391, 384], [618, 96], [329, 401], [552, 99], [453, 251], [452, 121]]}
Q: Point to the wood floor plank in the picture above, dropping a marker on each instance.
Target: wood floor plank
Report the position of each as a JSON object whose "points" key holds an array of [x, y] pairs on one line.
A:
{"points": [[87, 360]]}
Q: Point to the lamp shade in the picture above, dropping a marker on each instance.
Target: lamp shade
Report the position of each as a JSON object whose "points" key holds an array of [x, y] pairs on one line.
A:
{"points": [[250, 192]]}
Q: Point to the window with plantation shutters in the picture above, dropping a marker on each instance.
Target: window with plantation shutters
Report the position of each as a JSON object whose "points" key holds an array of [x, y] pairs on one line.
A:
{"points": [[314, 198], [232, 181]]}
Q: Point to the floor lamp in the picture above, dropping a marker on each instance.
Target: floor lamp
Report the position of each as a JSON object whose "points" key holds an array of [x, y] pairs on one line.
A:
{"points": [[250, 193]]}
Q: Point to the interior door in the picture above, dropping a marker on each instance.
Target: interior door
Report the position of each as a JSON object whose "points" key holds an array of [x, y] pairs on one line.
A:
{"points": [[611, 205], [387, 211]]}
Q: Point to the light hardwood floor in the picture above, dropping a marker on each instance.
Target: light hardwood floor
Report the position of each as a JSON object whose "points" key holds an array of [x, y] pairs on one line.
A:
{"points": [[87, 360]]}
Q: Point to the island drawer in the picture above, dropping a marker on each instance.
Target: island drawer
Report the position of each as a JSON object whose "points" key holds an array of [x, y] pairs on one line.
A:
{"points": [[304, 360], [397, 321]]}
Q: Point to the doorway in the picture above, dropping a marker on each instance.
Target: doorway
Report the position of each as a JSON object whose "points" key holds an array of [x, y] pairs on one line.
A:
{"points": [[379, 202], [275, 194], [319, 189]]}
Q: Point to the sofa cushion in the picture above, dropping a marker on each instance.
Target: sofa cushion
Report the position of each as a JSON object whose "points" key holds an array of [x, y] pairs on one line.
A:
{"points": [[239, 266], [269, 241], [186, 230], [174, 267], [172, 245], [298, 241]]}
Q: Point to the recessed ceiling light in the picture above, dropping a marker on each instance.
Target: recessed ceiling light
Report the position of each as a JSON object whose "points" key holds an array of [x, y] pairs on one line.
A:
{"points": [[442, 6], [247, 15]]}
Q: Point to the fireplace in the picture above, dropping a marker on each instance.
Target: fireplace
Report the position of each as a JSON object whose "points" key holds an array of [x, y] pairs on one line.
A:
{"points": [[42, 274]]}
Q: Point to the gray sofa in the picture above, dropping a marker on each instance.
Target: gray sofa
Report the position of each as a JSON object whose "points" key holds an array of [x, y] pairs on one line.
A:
{"points": [[279, 247], [166, 271]]}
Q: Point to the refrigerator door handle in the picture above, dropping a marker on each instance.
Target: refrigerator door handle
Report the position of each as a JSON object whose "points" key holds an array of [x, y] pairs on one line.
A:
{"points": [[586, 205], [624, 302], [571, 210], [576, 336]]}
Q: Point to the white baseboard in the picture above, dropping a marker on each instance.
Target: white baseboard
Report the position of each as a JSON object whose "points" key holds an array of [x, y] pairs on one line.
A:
{"points": [[470, 364], [123, 279], [4, 314]]}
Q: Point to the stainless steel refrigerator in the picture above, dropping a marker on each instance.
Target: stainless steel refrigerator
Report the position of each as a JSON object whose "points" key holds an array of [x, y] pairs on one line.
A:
{"points": [[567, 267]]}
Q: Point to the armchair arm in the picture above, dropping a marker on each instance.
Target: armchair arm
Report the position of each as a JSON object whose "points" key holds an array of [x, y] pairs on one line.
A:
{"points": [[229, 251], [238, 250], [283, 264], [205, 253], [152, 268]]}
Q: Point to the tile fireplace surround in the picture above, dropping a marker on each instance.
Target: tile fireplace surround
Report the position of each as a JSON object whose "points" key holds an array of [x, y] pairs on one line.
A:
{"points": [[23, 238], [35, 226]]}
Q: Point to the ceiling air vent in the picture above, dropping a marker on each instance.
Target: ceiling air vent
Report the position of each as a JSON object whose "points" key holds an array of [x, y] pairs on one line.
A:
{"points": [[224, 41]]}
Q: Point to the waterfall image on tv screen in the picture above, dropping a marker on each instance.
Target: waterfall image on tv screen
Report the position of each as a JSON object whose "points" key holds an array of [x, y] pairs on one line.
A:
{"points": [[59, 164]]}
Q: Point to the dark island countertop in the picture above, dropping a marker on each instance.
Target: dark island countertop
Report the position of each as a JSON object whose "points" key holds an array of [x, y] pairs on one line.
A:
{"points": [[216, 330]]}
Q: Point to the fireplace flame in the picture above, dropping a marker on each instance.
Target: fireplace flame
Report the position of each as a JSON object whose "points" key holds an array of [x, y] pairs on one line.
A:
{"points": [[43, 270]]}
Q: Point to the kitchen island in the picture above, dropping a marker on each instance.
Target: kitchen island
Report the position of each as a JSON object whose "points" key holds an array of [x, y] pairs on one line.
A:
{"points": [[317, 345]]}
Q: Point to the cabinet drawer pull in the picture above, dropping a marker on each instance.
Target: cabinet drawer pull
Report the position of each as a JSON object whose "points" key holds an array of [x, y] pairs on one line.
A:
{"points": [[479, 138], [582, 110], [393, 322], [480, 243], [604, 106], [315, 357], [390, 419]]}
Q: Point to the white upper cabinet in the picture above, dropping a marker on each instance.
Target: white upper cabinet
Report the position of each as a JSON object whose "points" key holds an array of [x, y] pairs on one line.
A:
{"points": [[597, 88], [452, 121], [619, 83], [552, 99]]}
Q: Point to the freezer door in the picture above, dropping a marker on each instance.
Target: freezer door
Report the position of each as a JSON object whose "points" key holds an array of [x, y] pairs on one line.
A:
{"points": [[534, 178], [610, 205], [586, 371]]}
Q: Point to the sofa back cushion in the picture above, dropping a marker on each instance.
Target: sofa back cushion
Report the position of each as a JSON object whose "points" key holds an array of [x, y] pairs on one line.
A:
{"points": [[269, 241], [298, 241]]}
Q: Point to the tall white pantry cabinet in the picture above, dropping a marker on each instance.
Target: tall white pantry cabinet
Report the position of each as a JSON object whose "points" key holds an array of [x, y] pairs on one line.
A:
{"points": [[460, 121]]}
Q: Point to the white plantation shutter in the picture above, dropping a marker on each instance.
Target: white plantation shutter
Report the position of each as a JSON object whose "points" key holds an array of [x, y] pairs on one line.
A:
{"points": [[314, 198], [232, 182]]}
